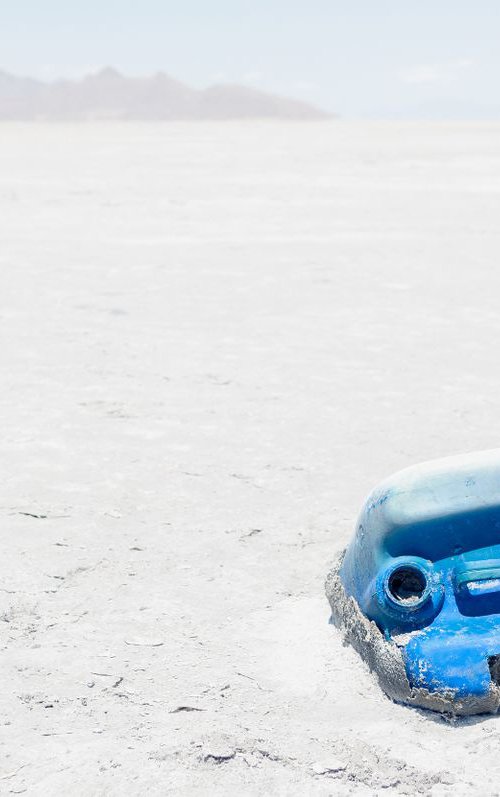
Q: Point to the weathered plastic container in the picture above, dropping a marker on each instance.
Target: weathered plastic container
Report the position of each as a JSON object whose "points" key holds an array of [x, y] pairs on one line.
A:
{"points": [[417, 592]]}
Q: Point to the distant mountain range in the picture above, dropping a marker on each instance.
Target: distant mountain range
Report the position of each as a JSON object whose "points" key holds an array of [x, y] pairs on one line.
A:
{"points": [[109, 95]]}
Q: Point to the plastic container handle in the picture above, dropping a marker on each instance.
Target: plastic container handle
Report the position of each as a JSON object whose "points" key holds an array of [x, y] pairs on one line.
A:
{"points": [[487, 570]]}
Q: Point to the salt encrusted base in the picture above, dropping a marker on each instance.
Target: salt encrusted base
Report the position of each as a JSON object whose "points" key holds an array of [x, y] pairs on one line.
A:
{"points": [[385, 659]]}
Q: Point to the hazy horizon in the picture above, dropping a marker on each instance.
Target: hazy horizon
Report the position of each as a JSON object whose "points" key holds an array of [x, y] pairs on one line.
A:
{"points": [[110, 95], [356, 59]]}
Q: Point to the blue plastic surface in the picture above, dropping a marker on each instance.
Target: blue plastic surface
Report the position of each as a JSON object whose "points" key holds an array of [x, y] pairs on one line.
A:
{"points": [[426, 559]]}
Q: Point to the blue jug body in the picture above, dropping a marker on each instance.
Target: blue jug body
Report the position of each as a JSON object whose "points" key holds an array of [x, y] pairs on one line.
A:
{"points": [[424, 566]]}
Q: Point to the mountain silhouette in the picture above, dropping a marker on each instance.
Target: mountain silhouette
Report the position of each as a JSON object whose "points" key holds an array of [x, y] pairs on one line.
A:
{"points": [[108, 94]]}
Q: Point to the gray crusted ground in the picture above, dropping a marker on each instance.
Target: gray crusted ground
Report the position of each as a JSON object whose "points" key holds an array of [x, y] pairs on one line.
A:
{"points": [[214, 341]]}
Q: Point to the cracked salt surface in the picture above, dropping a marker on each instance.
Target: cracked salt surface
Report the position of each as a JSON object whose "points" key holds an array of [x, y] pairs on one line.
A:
{"points": [[307, 307]]}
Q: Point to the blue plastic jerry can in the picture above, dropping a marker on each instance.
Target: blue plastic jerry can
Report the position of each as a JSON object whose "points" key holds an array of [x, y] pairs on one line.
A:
{"points": [[423, 575]]}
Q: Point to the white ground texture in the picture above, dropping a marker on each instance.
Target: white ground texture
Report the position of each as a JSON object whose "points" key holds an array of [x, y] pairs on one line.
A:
{"points": [[215, 340]]}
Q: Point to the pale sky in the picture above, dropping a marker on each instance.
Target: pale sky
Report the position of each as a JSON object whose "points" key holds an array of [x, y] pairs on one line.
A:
{"points": [[356, 57]]}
